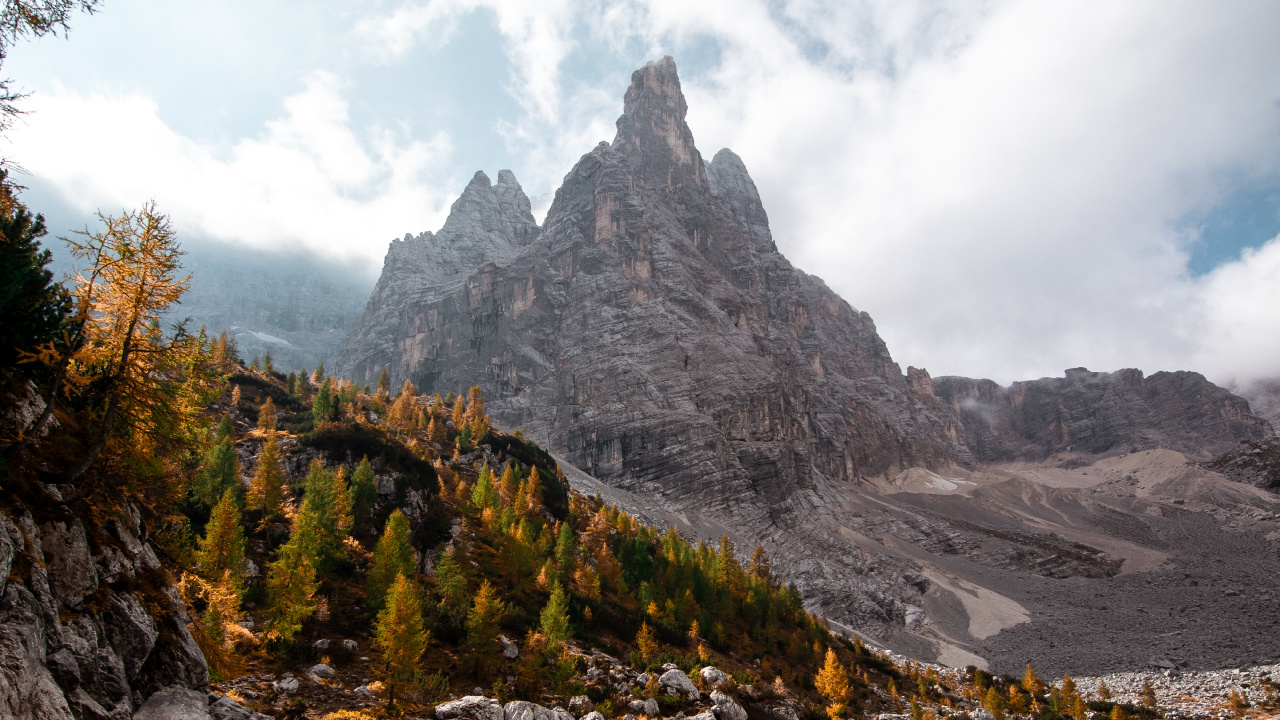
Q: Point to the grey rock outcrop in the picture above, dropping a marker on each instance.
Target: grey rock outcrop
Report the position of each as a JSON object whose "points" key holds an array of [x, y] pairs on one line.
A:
{"points": [[73, 646], [472, 707], [1095, 412]]}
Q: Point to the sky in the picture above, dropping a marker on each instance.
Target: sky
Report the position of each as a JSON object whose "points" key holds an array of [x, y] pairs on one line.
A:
{"points": [[1010, 188]]}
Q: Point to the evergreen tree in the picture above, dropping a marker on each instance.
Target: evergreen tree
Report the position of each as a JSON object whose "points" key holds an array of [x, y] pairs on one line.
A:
{"points": [[565, 546], [225, 429], [317, 377], [291, 587], [759, 566], [1118, 713], [34, 310], [529, 498], [392, 556], [401, 635], [364, 494], [266, 489], [222, 547], [994, 702], [1104, 692], [219, 473], [267, 417], [832, 682], [267, 367], [555, 616], [452, 587], [1148, 695], [384, 382], [324, 408], [291, 384], [484, 495], [325, 513]]}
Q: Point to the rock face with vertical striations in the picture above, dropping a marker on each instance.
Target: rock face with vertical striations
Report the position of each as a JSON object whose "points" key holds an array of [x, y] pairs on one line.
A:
{"points": [[1092, 413], [650, 332]]}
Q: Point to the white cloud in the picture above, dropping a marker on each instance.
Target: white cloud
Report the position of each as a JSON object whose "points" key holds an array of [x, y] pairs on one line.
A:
{"points": [[1003, 185], [308, 179]]}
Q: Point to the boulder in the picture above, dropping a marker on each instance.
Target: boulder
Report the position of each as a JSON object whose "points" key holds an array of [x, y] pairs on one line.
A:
{"points": [[593, 715], [579, 704], [676, 682], [287, 685], [648, 706], [472, 707], [175, 703], [712, 675], [980, 714], [363, 693], [522, 710], [224, 708], [510, 650], [350, 645], [726, 708], [64, 668], [321, 644], [321, 670]]}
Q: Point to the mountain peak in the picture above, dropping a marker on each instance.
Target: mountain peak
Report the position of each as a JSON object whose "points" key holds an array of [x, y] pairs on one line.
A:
{"points": [[652, 128]]}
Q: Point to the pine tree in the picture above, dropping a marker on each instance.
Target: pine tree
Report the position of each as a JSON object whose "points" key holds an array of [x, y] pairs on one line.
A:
{"points": [[266, 489], [222, 547], [219, 473], [565, 546], [401, 634], [832, 682], [225, 429], [291, 384], [392, 556], [267, 417], [317, 377], [555, 616], [384, 382], [994, 702], [291, 587], [484, 495], [324, 408], [267, 367], [364, 494], [325, 513], [452, 587]]}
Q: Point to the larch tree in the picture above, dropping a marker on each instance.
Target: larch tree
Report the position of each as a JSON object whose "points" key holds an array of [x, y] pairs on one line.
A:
{"points": [[452, 587], [392, 556], [266, 489], [146, 388], [832, 682], [647, 642], [267, 417], [484, 495], [402, 635], [221, 552], [483, 618]]}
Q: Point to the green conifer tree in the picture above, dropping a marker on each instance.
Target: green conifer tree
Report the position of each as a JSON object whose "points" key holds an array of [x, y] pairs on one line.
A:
{"points": [[220, 472], [384, 382], [565, 546], [324, 408], [291, 587], [267, 417], [221, 550], [392, 556], [484, 495], [364, 494], [325, 514], [452, 587], [482, 624], [401, 635], [555, 616]]}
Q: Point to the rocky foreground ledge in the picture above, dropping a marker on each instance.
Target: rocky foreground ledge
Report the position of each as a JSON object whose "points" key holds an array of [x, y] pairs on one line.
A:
{"points": [[1199, 694]]}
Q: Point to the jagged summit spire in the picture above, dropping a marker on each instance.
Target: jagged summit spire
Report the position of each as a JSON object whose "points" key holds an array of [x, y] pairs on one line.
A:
{"points": [[503, 209], [652, 127]]}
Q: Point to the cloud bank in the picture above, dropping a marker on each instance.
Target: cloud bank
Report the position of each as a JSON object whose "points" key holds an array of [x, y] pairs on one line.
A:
{"points": [[1005, 186]]}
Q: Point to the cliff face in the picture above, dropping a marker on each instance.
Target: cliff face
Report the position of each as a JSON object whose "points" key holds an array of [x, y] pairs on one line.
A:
{"points": [[1092, 413], [650, 331]]}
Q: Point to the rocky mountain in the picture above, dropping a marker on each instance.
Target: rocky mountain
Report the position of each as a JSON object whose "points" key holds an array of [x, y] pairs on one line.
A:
{"points": [[652, 337], [1091, 413], [295, 305]]}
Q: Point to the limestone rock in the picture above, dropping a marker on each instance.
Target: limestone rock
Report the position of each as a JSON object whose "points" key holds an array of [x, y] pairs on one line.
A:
{"points": [[1095, 412], [175, 703], [648, 707], [676, 681], [321, 670], [726, 708], [472, 707], [712, 675]]}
